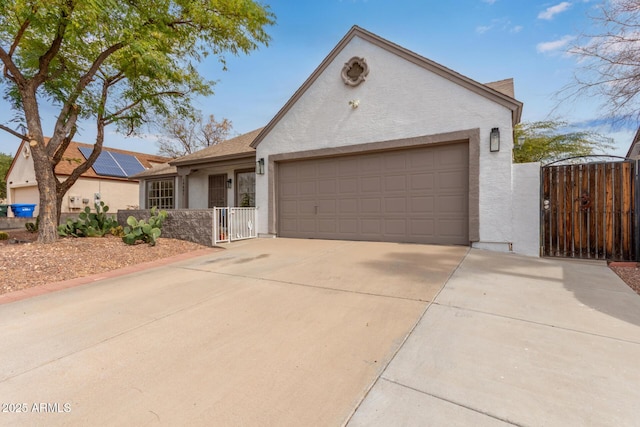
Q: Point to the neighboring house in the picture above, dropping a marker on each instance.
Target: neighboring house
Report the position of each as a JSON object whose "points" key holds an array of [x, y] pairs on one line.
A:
{"points": [[634, 148], [108, 179], [378, 144]]}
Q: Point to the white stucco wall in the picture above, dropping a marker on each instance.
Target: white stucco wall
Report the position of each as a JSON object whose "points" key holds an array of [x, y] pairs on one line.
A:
{"points": [[398, 100], [526, 209], [199, 183]]}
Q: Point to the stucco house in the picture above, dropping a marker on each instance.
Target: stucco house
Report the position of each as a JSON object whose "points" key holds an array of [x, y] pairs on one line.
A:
{"points": [[108, 179], [378, 144]]}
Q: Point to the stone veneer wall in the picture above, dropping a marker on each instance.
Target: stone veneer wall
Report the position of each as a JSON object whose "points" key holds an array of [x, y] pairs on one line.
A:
{"points": [[193, 225]]}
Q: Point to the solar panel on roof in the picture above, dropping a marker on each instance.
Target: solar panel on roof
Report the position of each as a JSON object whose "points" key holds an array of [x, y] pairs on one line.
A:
{"points": [[104, 164], [129, 164]]}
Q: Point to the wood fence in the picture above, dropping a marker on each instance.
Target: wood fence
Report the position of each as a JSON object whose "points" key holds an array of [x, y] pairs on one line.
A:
{"points": [[589, 211]]}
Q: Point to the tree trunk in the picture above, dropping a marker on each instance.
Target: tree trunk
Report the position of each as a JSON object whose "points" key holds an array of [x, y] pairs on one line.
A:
{"points": [[47, 180], [45, 176]]}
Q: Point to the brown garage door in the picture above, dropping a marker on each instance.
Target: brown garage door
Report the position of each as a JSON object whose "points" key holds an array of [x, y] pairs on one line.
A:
{"points": [[415, 195]]}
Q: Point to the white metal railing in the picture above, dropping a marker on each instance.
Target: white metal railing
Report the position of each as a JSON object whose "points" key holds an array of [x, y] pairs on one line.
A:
{"points": [[231, 224]]}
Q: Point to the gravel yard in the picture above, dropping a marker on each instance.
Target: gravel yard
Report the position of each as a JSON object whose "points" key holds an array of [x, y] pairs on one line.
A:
{"points": [[24, 263]]}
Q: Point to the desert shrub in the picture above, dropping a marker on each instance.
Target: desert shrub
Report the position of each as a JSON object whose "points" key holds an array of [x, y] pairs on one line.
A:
{"points": [[141, 231], [89, 224]]}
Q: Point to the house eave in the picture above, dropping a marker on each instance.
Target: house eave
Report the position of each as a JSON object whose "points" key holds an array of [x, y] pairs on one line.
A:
{"points": [[216, 159]]}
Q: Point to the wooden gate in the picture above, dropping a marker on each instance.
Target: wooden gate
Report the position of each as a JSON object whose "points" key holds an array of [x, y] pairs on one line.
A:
{"points": [[588, 211]]}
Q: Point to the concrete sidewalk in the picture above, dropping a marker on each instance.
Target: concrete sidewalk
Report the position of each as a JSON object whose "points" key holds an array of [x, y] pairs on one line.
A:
{"points": [[517, 341]]}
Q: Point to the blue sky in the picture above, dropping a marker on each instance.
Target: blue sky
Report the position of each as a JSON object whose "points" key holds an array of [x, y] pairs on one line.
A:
{"points": [[485, 40]]}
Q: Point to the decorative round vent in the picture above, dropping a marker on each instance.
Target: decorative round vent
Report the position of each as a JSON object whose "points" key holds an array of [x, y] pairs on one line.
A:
{"points": [[355, 71]]}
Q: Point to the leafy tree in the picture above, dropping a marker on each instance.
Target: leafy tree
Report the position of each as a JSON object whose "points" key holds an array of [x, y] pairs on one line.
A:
{"points": [[609, 61], [186, 135], [5, 163], [545, 142], [112, 62]]}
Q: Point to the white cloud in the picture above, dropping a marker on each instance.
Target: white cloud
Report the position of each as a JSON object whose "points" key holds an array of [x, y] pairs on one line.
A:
{"points": [[503, 24], [552, 11], [555, 45]]}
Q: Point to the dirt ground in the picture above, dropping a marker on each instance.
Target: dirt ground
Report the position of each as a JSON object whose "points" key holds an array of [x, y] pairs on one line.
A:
{"points": [[25, 263]]}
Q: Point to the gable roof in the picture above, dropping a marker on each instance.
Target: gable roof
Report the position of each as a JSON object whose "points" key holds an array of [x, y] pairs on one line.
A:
{"points": [[230, 149], [487, 91], [72, 157], [157, 171], [238, 147], [503, 86]]}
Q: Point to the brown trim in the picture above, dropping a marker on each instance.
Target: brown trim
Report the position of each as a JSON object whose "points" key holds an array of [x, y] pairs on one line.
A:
{"points": [[514, 105], [470, 135], [217, 159]]}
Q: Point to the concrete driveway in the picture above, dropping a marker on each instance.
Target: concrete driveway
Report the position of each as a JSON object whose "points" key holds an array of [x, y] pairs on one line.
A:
{"points": [[266, 332]]}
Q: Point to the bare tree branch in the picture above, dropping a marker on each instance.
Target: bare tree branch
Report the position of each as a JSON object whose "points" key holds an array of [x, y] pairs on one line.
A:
{"points": [[14, 133]]}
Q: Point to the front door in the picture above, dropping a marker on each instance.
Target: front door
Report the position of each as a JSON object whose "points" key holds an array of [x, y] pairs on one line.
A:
{"points": [[218, 190]]}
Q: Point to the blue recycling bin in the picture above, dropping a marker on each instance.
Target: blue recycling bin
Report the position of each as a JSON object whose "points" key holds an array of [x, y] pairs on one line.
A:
{"points": [[23, 210]]}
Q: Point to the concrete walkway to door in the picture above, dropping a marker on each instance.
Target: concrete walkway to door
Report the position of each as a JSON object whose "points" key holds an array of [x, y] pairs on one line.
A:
{"points": [[521, 341], [268, 332]]}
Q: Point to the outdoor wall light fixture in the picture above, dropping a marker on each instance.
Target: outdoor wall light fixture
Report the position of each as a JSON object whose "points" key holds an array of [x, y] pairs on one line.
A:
{"points": [[494, 140], [229, 183], [260, 167]]}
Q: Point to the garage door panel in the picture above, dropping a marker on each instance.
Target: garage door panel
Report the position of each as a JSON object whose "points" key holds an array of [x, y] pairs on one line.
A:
{"points": [[348, 186], [451, 205], [307, 207], [452, 181], [370, 164], [289, 188], [307, 171], [349, 206], [395, 205], [327, 186], [326, 207], [370, 206], [449, 230], [395, 227], [450, 156], [422, 205], [395, 183], [423, 228], [348, 227], [369, 226], [327, 168], [370, 184], [289, 207], [307, 187], [422, 181], [422, 160], [307, 225], [327, 226], [395, 162], [414, 195]]}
